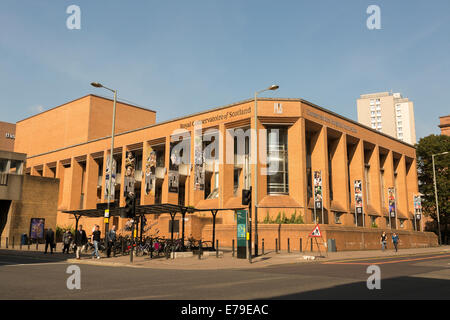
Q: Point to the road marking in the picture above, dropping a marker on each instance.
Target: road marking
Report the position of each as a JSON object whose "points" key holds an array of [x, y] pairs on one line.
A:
{"points": [[388, 262], [388, 257]]}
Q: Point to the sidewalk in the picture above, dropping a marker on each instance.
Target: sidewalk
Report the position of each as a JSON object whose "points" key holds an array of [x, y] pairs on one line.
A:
{"points": [[225, 261]]}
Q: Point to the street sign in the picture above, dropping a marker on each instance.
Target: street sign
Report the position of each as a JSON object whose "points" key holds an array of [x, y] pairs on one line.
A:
{"points": [[106, 213], [316, 232]]}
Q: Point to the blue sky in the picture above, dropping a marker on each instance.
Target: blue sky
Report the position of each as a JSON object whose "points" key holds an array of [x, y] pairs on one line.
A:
{"points": [[180, 57]]}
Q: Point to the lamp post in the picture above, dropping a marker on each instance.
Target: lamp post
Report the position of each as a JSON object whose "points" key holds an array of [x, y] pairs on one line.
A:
{"points": [[99, 85], [255, 200], [436, 195]]}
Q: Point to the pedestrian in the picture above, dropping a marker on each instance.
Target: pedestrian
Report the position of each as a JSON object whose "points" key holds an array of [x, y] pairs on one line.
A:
{"points": [[96, 241], [67, 240], [80, 240], [111, 240], [395, 241], [49, 240], [383, 241]]}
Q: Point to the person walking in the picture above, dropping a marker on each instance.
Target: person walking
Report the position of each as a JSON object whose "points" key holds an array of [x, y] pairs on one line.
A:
{"points": [[96, 241], [111, 240], [49, 240], [383, 241], [67, 240], [80, 240], [395, 241]]}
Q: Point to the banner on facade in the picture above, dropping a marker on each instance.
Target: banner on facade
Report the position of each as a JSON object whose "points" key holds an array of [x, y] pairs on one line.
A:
{"points": [[358, 197], [418, 207], [174, 163], [150, 172], [110, 195], [391, 200], [318, 190], [129, 179], [199, 162]]}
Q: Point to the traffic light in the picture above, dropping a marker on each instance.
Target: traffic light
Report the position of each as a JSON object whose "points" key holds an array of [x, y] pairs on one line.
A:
{"points": [[246, 196], [130, 205]]}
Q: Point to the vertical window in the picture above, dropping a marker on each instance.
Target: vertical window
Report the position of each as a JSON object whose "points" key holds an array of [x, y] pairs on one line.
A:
{"points": [[277, 156]]}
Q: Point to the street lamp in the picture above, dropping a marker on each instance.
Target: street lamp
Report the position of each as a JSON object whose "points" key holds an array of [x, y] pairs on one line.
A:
{"points": [[436, 195], [255, 200], [99, 85]]}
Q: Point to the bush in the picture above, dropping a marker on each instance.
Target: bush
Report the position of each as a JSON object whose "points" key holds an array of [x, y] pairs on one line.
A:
{"points": [[283, 219]]}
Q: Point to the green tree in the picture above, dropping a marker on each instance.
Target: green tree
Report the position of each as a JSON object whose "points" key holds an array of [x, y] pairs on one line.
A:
{"points": [[427, 146]]}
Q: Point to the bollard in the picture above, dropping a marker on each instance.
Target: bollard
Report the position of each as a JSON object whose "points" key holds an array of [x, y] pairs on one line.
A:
{"points": [[7, 242], [217, 248], [13, 243], [0, 242], [300, 244], [289, 246], [233, 249], [151, 248], [276, 245], [199, 249], [262, 246], [37, 245], [311, 245], [29, 244]]}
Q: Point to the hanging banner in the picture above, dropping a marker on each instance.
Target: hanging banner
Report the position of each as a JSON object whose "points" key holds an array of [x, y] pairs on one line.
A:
{"points": [[199, 163], [129, 180], [391, 199], [317, 190], [107, 177], [358, 197], [174, 163], [150, 172], [418, 207]]}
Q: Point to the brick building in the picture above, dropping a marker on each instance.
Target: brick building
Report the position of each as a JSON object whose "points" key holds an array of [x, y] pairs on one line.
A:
{"points": [[296, 138]]}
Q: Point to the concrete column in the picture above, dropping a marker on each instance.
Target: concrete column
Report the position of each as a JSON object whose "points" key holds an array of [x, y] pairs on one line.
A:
{"points": [[75, 176], [357, 173], [122, 177], [226, 170], [90, 183], [319, 161], [340, 174], [297, 163], [60, 176], [402, 193], [413, 189], [389, 183], [105, 165], [375, 183], [47, 172]]}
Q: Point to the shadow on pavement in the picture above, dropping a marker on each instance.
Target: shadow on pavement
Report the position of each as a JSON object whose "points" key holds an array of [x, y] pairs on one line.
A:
{"points": [[14, 257], [394, 288]]}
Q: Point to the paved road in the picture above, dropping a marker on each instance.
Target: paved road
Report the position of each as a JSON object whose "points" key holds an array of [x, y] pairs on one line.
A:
{"points": [[32, 276]]}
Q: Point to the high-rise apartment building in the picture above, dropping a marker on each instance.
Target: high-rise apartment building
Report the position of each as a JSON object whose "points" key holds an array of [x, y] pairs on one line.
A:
{"points": [[389, 113]]}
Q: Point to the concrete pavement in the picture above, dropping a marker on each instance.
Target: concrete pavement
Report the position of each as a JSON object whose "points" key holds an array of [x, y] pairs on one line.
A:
{"points": [[226, 261]]}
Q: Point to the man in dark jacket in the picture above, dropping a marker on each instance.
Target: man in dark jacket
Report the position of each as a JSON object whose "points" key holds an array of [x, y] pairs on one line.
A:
{"points": [[67, 240], [49, 240], [111, 241], [80, 240]]}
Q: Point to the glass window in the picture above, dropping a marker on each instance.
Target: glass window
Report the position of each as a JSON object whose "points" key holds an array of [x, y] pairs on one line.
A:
{"points": [[277, 158]]}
